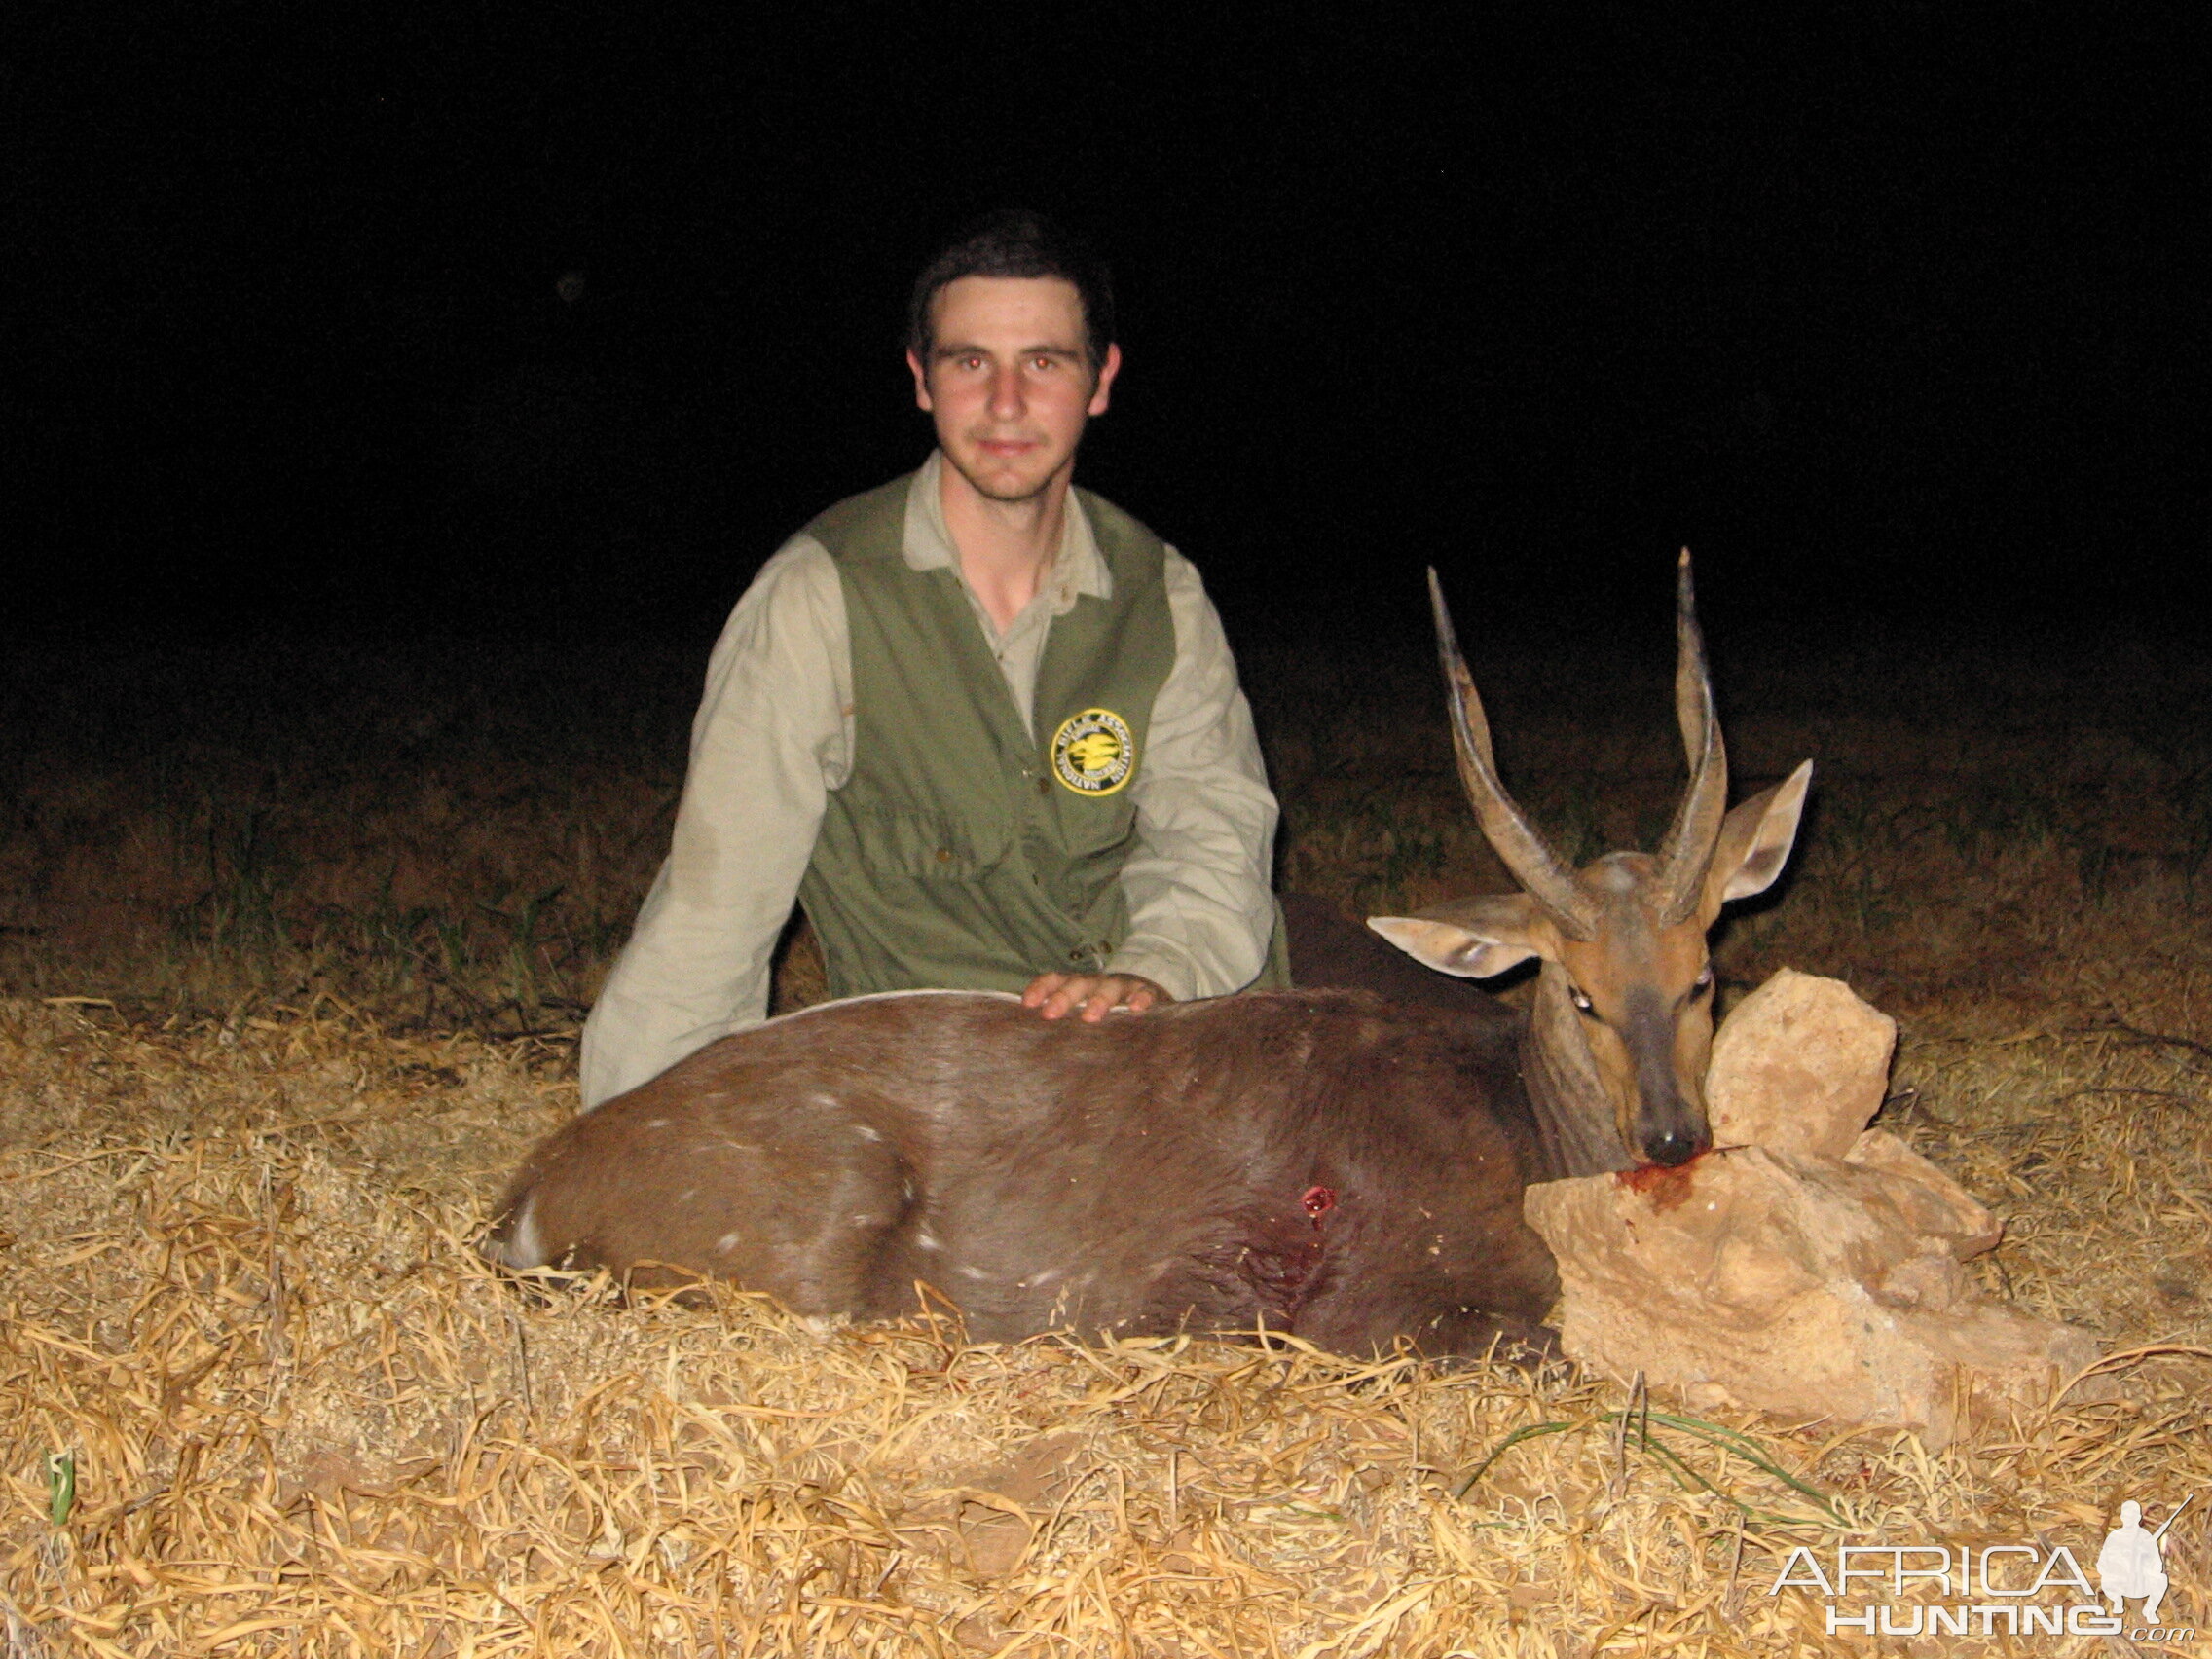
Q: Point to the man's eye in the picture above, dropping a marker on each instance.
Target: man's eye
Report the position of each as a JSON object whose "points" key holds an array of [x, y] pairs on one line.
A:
{"points": [[1044, 364]]}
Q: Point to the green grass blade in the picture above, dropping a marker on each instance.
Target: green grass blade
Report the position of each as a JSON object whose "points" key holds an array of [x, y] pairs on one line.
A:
{"points": [[1527, 1431]]}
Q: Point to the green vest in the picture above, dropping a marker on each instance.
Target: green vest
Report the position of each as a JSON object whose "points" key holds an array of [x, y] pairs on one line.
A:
{"points": [[964, 851]]}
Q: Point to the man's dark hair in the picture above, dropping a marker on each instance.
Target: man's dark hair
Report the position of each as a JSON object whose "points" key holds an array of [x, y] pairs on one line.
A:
{"points": [[1017, 242]]}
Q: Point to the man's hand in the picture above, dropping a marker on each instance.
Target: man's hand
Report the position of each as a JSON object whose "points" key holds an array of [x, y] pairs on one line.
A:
{"points": [[1096, 995]]}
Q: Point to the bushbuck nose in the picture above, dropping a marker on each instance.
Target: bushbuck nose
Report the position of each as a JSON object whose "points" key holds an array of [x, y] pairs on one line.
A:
{"points": [[1673, 1148]]}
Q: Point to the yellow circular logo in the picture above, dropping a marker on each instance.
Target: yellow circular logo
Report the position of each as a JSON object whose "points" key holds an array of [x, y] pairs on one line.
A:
{"points": [[1093, 753]]}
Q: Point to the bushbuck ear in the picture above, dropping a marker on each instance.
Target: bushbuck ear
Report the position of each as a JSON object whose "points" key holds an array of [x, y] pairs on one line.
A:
{"points": [[1473, 939], [1755, 838]]}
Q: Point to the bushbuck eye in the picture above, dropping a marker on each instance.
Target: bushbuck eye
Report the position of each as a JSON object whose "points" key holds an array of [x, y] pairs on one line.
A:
{"points": [[1704, 982], [1580, 1000]]}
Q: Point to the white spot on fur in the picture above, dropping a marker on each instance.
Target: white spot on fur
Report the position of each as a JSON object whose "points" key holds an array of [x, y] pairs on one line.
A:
{"points": [[827, 1102], [523, 1248], [690, 1193], [973, 1272], [864, 1220], [865, 1132], [927, 1243], [1047, 1277], [656, 1122], [725, 1243]]}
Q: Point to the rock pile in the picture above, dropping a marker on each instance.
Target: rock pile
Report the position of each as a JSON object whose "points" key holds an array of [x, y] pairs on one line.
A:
{"points": [[1808, 1266]]}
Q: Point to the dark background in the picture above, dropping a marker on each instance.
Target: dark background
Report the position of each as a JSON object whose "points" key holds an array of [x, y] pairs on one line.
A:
{"points": [[1893, 317]]}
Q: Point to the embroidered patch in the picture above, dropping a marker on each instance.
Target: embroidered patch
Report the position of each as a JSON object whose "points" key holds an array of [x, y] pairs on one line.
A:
{"points": [[1093, 753]]}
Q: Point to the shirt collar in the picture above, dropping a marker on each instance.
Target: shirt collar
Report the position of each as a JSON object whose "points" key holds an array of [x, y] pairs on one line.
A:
{"points": [[1077, 569]]}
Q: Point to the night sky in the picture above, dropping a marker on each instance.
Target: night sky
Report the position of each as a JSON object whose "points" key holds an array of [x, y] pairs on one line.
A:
{"points": [[557, 319]]}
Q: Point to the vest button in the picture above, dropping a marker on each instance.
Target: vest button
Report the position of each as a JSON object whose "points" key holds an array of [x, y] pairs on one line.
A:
{"points": [[944, 855]]}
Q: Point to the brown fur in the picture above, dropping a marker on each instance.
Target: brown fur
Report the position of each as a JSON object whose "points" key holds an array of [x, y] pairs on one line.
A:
{"points": [[1151, 1173]]}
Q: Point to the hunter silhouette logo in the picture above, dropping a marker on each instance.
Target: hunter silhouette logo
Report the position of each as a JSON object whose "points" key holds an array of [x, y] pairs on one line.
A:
{"points": [[2132, 1563], [1093, 753]]}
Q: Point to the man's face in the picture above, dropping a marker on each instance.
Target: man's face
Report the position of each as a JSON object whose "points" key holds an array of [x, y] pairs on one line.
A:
{"points": [[1009, 383]]}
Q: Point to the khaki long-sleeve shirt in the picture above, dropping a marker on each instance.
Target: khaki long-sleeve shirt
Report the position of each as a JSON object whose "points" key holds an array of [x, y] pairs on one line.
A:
{"points": [[774, 735]]}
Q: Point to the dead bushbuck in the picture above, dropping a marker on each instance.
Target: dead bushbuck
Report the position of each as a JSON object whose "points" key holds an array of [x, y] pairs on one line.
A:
{"points": [[1325, 1161]]}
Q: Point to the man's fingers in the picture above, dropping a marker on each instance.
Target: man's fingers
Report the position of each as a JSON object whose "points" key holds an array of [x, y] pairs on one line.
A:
{"points": [[1055, 995], [1092, 995], [1128, 993]]}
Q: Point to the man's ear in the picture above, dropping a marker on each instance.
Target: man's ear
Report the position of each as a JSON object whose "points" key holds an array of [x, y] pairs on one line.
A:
{"points": [[921, 380], [1473, 939], [1755, 838], [1101, 389]]}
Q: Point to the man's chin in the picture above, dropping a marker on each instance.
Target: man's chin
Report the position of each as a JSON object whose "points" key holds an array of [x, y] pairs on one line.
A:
{"points": [[1008, 487], [1012, 495]]}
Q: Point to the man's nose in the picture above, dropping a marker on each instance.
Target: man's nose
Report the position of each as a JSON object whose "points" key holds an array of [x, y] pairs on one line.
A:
{"points": [[1006, 403]]}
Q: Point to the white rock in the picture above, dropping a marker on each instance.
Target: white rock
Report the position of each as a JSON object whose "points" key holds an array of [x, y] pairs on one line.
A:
{"points": [[1800, 1063], [1813, 1272]]}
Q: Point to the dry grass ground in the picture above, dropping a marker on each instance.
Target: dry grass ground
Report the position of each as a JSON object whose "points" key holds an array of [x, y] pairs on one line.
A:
{"points": [[337, 921]]}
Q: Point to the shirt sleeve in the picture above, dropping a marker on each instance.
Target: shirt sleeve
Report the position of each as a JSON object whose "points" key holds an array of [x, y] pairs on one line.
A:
{"points": [[772, 739], [1200, 909]]}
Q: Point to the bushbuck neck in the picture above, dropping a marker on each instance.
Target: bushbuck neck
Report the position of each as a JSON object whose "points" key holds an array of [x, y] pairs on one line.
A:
{"points": [[1616, 1046]]}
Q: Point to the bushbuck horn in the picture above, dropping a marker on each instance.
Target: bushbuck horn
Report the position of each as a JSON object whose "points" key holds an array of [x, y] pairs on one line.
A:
{"points": [[1532, 863], [1688, 852]]}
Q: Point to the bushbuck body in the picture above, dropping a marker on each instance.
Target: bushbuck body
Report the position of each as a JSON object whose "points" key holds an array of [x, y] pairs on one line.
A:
{"points": [[1328, 1160]]}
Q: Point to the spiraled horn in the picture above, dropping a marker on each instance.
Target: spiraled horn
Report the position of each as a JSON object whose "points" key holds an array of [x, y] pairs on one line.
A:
{"points": [[1532, 864], [1688, 852]]}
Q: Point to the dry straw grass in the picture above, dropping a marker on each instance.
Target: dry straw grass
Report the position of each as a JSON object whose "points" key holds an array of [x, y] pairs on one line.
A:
{"points": [[305, 1418], [239, 1298]]}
